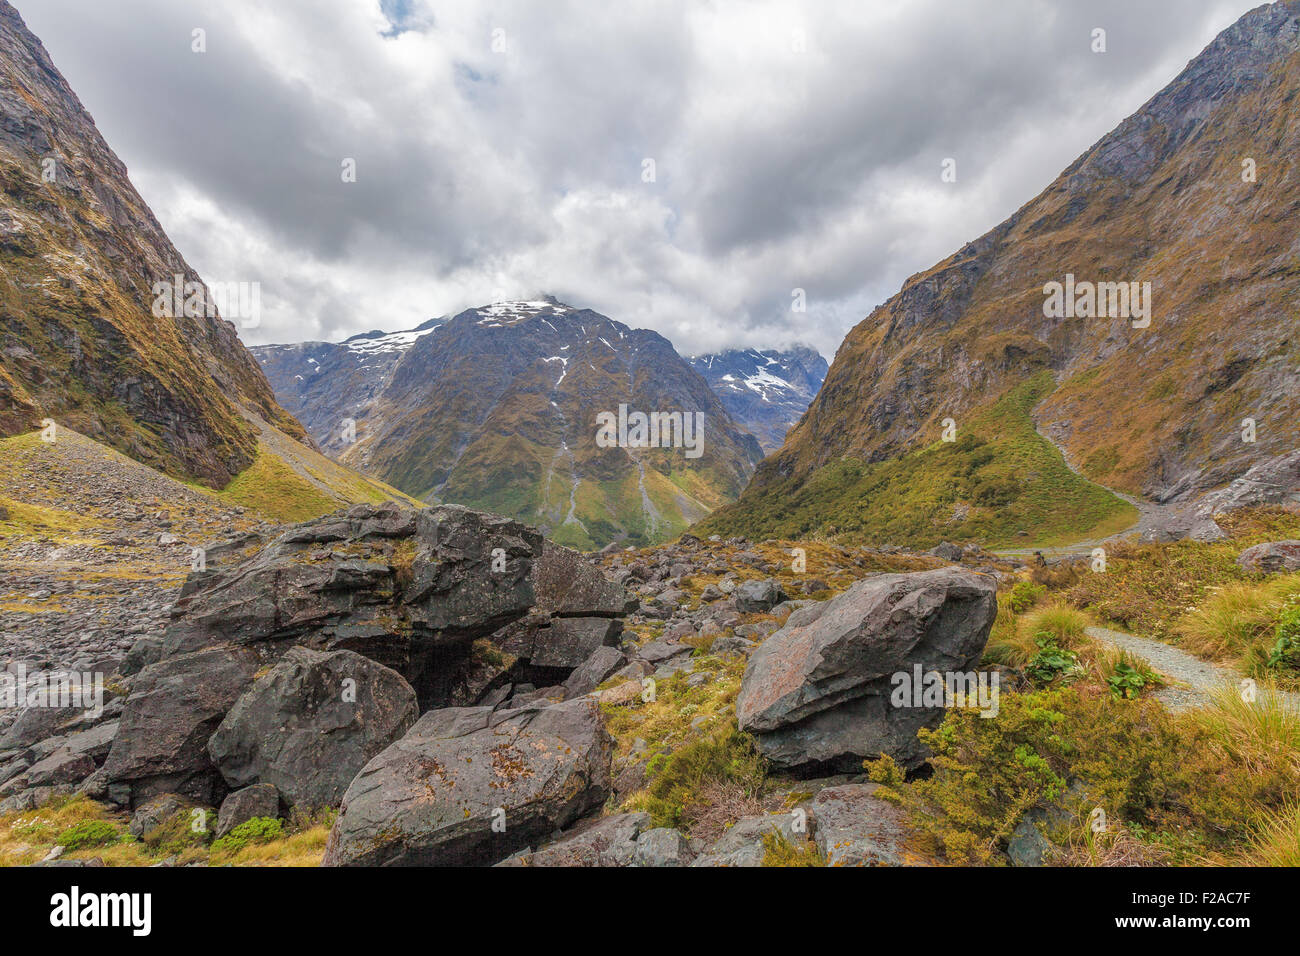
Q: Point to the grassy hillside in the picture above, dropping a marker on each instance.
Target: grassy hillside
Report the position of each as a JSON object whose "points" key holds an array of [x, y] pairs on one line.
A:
{"points": [[999, 483]]}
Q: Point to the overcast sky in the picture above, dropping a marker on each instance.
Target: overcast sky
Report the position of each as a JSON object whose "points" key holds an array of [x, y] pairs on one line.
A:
{"points": [[501, 147]]}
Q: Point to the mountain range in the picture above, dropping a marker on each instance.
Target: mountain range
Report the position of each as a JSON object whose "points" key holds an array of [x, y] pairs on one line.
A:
{"points": [[496, 407]]}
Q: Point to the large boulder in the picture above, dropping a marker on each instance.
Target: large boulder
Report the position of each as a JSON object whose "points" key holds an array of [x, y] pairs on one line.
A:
{"points": [[470, 786], [311, 723], [412, 590], [174, 707], [818, 692], [1272, 557]]}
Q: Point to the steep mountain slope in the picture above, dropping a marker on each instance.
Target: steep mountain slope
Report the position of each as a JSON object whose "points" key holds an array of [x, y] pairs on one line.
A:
{"points": [[80, 254], [766, 390], [325, 383], [497, 408], [1195, 194]]}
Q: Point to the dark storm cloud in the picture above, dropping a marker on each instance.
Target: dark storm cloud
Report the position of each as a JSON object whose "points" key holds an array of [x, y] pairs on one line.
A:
{"points": [[500, 148]]}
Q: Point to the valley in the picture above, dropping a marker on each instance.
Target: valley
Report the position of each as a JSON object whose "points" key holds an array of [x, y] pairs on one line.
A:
{"points": [[1011, 582]]}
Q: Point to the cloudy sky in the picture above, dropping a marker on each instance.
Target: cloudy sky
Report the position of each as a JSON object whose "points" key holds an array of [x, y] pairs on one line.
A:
{"points": [[503, 149]]}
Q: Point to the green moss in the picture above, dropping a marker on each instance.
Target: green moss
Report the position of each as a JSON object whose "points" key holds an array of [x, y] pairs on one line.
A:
{"points": [[89, 833]]}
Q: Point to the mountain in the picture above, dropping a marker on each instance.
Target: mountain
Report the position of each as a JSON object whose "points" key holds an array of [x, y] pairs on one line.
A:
{"points": [[497, 408], [90, 332], [1194, 194], [80, 254], [766, 390], [325, 383]]}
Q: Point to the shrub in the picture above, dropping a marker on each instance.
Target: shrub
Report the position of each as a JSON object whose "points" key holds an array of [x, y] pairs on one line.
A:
{"points": [[89, 833], [778, 851], [679, 780], [256, 830], [1024, 595], [1054, 748]]}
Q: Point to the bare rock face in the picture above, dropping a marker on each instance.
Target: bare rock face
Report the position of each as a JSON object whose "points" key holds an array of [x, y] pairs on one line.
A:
{"points": [[818, 692], [469, 786], [311, 723]]}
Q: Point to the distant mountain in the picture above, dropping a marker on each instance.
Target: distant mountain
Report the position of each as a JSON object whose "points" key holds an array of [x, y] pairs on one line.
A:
{"points": [[498, 408], [766, 390], [81, 255], [1140, 313], [326, 383]]}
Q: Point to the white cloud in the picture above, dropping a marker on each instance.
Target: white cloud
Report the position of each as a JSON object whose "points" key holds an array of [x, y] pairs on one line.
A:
{"points": [[795, 145]]}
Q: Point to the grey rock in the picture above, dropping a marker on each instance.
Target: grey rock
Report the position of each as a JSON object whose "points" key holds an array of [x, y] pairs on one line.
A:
{"points": [[259, 800], [298, 730], [1272, 557], [854, 827], [753, 597], [660, 847], [820, 693], [432, 797]]}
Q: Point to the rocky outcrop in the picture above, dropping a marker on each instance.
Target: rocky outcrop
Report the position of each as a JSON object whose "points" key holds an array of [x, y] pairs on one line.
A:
{"points": [[174, 707], [297, 665], [818, 692], [471, 785]]}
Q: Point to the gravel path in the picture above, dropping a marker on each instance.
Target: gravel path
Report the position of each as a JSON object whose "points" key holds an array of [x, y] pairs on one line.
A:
{"points": [[1193, 680]]}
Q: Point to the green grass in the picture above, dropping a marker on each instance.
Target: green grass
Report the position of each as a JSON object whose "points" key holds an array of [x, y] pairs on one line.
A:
{"points": [[1013, 484], [271, 487]]}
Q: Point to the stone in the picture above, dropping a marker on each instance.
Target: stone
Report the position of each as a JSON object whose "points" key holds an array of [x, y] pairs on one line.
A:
{"points": [[607, 841], [1272, 557], [662, 846], [174, 707], [258, 800], [742, 844], [819, 693], [854, 827], [298, 730], [757, 597], [432, 797], [603, 663]]}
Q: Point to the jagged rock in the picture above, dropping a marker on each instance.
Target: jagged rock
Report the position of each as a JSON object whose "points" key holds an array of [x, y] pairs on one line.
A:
{"points": [[432, 797], [37, 723], [311, 723], [947, 551], [1271, 557], [174, 707], [818, 691], [410, 590], [854, 827], [742, 845], [757, 596], [259, 800], [146, 651]]}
